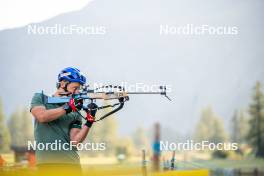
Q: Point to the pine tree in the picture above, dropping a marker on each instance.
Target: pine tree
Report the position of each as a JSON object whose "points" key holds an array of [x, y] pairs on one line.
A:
{"points": [[4, 133], [210, 127], [21, 127], [234, 127], [140, 139], [256, 131], [219, 134], [239, 127]]}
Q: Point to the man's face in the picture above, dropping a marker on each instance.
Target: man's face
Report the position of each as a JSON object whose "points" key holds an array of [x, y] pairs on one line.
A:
{"points": [[73, 87]]}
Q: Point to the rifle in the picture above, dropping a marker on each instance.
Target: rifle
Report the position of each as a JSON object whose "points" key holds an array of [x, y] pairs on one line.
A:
{"points": [[108, 92]]}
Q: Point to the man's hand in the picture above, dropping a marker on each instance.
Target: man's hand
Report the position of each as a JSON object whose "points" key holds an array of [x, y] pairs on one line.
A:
{"points": [[92, 109], [73, 105]]}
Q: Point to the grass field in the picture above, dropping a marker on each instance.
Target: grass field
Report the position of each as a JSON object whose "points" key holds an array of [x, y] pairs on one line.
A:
{"points": [[133, 166], [223, 163]]}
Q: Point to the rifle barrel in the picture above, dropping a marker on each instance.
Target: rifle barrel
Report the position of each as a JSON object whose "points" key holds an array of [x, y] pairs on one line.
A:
{"points": [[144, 92]]}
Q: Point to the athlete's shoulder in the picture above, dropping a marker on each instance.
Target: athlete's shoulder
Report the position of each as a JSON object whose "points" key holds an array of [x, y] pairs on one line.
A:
{"points": [[40, 94], [38, 98]]}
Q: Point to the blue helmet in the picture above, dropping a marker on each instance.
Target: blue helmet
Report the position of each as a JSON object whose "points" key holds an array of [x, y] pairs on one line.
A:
{"points": [[72, 74]]}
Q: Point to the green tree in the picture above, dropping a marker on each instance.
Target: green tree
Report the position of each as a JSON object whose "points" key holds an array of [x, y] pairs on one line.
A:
{"points": [[4, 133], [140, 139], [20, 127], [239, 127], [125, 146], [219, 134], [256, 131], [210, 127]]}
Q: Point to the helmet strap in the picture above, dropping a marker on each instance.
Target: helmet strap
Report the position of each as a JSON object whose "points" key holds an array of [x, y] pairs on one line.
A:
{"points": [[58, 85], [66, 86]]}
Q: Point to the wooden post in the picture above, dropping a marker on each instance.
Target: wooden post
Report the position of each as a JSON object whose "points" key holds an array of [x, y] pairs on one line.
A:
{"points": [[156, 149], [165, 166], [239, 172], [255, 172], [173, 160], [2, 161], [31, 158], [144, 163]]}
